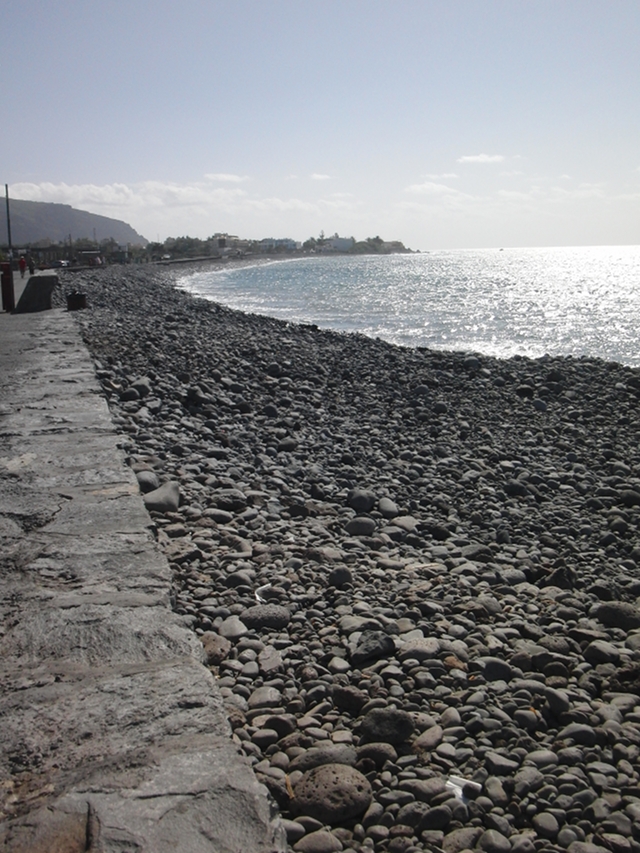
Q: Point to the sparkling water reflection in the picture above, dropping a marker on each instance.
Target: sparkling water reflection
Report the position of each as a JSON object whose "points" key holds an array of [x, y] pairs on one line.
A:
{"points": [[569, 301]]}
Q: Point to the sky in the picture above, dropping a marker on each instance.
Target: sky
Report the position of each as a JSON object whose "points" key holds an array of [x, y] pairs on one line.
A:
{"points": [[442, 123]]}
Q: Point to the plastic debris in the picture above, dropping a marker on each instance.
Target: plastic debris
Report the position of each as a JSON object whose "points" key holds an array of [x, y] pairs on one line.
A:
{"points": [[260, 590], [457, 784]]}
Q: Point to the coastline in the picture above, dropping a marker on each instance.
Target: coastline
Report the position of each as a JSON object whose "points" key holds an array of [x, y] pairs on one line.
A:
{"points": [[488, 305], [447, 550]]}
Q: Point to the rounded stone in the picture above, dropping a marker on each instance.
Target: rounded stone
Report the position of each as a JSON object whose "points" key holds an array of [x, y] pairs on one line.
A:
{"points": [[579, 733], [493, 841], [543, 758], [349, 698], [495, 669], [389, 725], [361, 500], [522, 844], [147, 481], [360, 526], [372, 645], [232, 628], [379, 753], [265, 697], [332, 793], [231, 500], [546, 825], [216, 647], [164, 499], [387, 508], [320, 841], [618, 614], [340, 576], [266, 616], [600, 651], [420, 649], [334, 753]]}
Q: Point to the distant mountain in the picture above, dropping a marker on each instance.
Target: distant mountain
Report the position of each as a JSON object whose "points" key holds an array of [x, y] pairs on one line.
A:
{"points": [[33, 221]]}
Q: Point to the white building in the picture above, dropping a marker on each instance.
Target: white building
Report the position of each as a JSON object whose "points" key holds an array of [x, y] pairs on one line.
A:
{"points": [[338, 244]]}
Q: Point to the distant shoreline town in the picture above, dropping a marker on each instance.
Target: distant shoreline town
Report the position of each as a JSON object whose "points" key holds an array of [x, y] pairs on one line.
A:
{"points": [[228, 245], [86, 252], [53, 234]]}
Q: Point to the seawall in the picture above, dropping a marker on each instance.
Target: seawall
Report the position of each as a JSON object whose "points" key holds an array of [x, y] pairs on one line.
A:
{"points": [[114, 735]]}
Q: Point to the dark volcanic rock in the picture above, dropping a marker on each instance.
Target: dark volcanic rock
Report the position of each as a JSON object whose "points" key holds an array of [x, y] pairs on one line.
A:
{"points": [[231, 499], [618, 614], [164, 499], [446, 544], [388, 725], [361, 526], [349, 698], [335, 753], [266, 616], [332, 793], [372, 645]]}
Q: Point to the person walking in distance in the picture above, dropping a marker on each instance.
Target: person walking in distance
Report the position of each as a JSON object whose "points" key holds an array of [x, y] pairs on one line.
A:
{"points": [[22, 264]]}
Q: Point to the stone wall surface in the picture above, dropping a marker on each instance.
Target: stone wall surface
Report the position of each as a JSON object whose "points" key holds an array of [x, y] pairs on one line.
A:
{"points": [[114, 737]]}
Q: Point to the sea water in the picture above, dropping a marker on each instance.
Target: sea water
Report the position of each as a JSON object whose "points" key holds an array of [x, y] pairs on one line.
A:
{"points": [[560, 301]]}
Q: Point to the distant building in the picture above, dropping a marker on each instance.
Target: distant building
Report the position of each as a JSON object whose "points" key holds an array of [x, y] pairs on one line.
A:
{"points": [[282, 244], [390, 246], [338, 244]]}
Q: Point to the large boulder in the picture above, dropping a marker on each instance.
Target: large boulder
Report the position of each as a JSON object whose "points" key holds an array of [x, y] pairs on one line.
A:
{"points": [[332, 793]]}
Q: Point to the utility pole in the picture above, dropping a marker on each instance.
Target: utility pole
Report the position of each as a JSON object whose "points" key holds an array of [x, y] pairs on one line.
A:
{"points": [[8, 294], [6, 195]]}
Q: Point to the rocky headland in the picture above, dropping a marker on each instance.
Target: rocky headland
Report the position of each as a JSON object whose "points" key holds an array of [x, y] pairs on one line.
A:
{"points": [[414, 573]]}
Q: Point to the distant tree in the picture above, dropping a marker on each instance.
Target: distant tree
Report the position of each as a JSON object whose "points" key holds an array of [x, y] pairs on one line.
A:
{"points": [[183, 247], [155, 250], [83, 244]]}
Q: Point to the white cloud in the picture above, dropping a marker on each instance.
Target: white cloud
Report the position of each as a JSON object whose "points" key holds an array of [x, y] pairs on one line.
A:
{"points": [[280, 204], [118, 199], [318, 177], [225, 177], [198, 208], [431, 188], [481, 158]]}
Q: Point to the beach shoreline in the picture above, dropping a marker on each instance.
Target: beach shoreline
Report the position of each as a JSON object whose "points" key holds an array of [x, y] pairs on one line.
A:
{"points": [[405, 566]]}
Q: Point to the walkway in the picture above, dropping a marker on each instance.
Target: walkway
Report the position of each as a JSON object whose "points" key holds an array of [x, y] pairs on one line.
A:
{"points": [[113, 732]]}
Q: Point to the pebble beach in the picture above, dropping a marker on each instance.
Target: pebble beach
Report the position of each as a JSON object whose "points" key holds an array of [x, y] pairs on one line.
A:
{"points": [[414, 574]]}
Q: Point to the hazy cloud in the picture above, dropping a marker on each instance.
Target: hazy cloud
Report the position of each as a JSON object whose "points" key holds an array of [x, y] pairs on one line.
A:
{"points": [[225, 177], [442, 177], [431, 188], [281, 204], [150, 206], [318, 177], [481, 158]]}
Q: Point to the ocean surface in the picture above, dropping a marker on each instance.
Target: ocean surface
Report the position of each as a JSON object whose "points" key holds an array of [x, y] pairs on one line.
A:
{"points": [[560, 301]]}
